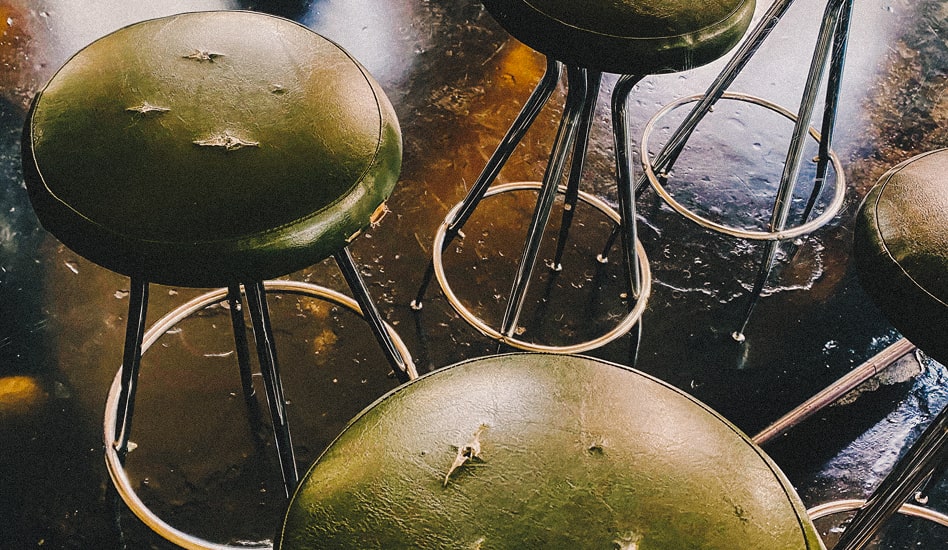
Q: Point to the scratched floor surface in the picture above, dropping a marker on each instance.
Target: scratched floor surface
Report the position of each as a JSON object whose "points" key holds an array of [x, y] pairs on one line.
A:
{"points": [[457, 80]]}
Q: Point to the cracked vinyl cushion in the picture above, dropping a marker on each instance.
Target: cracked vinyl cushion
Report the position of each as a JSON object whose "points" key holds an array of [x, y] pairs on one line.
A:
{"points": [[206, 147], [638, 37], [543, 451], [901, 249]]}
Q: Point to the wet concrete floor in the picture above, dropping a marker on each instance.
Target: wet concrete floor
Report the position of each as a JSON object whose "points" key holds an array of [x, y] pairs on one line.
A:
{"points": [[456, 81]]}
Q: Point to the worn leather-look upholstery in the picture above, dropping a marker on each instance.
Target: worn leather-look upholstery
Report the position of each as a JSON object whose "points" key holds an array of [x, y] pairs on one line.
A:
{"points": [[901, 249], [205, 148], [627, 36], [573, 453]]}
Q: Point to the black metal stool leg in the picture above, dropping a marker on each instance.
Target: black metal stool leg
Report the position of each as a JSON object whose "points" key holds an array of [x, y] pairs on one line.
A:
{"points": [[909, 473], [538, 98], [566, 135], [830, 105], [266, 351], [791, 167], [371, 314], [577, 161], [603, 256], [921, 496], [620, 123], [131, 362], [240, 342], [755, 38]]}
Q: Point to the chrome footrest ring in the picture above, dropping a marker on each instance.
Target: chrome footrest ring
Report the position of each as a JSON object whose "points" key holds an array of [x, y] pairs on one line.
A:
{"points": [[789, 233], [114, 463], [619, 330]]}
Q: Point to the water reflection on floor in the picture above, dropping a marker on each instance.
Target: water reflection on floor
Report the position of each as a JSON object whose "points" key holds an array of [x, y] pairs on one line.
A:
{"points": [[456, 81]]}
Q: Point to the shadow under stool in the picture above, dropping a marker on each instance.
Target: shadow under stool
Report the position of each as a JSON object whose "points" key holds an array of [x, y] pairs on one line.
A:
{"points": [[535, 450], [901, 255], [213, 149], [632, 39], [784, 224]]}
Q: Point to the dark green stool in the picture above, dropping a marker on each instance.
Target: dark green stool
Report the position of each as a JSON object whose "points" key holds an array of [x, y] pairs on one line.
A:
{"points": [[213, 149], [901, 254], [634, 39], [543, 451]]}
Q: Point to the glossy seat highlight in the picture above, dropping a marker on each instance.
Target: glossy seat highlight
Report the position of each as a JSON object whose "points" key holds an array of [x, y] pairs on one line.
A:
{"points": [[544, 451], [627, 37], [196, 150]]}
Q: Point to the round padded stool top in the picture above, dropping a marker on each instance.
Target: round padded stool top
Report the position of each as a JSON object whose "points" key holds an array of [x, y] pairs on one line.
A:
{"points": [[209, 147], [543, 451], [901, 249], [637, 37]]}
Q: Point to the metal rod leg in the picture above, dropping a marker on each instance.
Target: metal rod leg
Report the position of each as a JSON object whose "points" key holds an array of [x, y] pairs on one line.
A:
{"points": [[240, 342], [763, 273], [266, 352], [755, 38], [909, 472], [791, 167], [528, 114], [578, 160], [565, 136], [620, 122], [833, 85], [371, 313], [603, 256], [921, 496], [131, 362]]}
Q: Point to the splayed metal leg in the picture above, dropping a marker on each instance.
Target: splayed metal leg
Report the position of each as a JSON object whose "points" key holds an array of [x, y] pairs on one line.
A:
{"points": [[830, 50], [526, 117]]}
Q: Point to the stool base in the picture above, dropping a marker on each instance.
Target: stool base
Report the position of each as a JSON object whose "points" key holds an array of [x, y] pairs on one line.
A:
{"points": [[112, 457], [624, 326], [851, 505]]}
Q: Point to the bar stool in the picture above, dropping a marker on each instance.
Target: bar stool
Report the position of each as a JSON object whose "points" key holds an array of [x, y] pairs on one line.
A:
{"points": [[830, 50], [901, 256], [213, 149], [634, 39], [534, 450]]}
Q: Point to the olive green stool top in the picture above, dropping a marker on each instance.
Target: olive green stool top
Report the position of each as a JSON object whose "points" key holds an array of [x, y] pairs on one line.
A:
{"points": [[210, 147], [543, 451], [213, 149], [627, 36], [901, 249]]}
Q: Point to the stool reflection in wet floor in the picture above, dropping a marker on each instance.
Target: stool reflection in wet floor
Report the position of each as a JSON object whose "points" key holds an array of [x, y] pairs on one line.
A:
{"points": [[192, 151]]}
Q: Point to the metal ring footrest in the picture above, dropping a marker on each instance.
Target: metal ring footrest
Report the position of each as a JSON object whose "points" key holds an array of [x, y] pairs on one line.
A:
{"points": [[849, 505], [804, 228], [114, 462], [629, 321]]}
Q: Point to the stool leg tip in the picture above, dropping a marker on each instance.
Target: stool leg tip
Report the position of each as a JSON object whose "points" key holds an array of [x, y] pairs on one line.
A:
{"points": [[738, 336], [602, 259], [416, 305]]}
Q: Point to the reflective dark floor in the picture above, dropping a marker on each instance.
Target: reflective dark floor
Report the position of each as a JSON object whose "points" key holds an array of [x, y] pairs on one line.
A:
{"points": [[457, 80]]}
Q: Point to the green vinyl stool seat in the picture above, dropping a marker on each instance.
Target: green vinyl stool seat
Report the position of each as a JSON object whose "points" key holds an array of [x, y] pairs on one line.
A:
{"points": [[633, 39], [213, 149], [900, 248], [535, 450]]}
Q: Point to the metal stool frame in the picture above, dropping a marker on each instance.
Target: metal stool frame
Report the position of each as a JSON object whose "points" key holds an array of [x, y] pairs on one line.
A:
{"points": [[571, 141], [121, 399], [830, 50], [924, 463]]}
